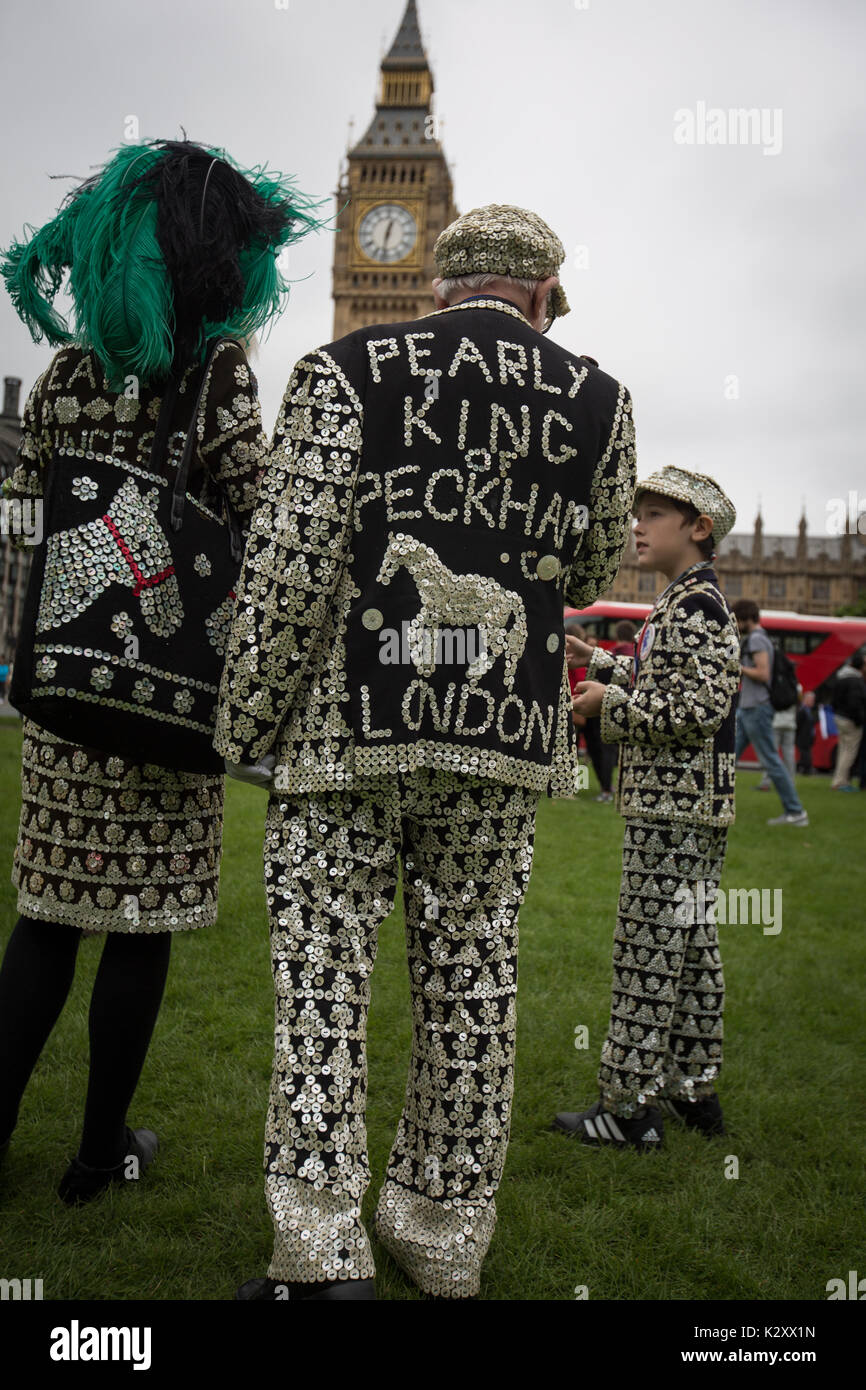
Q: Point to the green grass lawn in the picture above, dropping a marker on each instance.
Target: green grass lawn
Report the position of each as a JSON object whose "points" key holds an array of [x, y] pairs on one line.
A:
{"points": [[661, 1226]]}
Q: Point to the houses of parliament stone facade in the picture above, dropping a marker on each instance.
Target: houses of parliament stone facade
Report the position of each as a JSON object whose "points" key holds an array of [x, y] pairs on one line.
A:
{"points": [[802, 573]]}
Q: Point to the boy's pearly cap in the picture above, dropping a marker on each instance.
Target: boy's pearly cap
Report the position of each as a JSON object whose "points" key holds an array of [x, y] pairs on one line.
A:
{"points": [[700, 489]]}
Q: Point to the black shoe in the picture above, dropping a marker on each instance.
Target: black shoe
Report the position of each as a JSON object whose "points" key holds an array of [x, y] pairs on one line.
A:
{"points": [[275, 1291], [704, 1114], [81, 1183], [598, 1126]]}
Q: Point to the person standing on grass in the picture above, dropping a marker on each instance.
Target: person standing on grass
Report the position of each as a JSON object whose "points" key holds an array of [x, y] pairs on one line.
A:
{"points": [[671, 709], [849, 706], [168, 246], [755, 711], [805, 732], [785, 733], [462, 474]]}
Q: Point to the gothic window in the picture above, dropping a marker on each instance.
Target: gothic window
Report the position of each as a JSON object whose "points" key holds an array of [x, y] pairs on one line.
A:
{"points": [[820, 588], [777, 587], [734, 586]]}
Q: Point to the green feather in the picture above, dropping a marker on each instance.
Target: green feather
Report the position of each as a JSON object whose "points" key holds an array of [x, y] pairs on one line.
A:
{"points": [[105, 234]]}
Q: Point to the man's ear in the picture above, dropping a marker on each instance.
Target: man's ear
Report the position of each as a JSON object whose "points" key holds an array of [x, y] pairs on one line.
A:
{"points": [[703, 526], [437, 298], [538, 302]]}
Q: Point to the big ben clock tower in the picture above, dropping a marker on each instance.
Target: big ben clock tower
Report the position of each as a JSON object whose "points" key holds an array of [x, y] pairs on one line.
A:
{"points": [[399, 194]]}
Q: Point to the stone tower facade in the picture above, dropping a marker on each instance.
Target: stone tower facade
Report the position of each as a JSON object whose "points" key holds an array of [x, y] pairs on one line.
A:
{"points": [[801, 574], [395, 196]]}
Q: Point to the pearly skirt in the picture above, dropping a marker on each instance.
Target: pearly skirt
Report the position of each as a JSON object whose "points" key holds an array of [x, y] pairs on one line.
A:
{"points": [[110, 845]]}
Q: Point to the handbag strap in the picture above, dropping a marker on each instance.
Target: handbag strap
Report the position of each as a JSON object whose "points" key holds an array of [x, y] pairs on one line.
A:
{"points": [[163, 425], [190, 443], [178, 500]]}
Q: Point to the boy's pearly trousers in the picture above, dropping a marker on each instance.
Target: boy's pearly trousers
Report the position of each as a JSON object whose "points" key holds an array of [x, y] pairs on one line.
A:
{"points": [[665, 1031]]}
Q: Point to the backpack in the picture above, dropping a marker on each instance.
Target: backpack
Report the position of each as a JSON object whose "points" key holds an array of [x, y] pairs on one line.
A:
{"points": [[783, 683]]}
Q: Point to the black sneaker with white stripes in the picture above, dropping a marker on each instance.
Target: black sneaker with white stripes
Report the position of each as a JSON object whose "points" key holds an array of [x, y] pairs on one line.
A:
{"points": [[704, 1114], [598, 1126]]}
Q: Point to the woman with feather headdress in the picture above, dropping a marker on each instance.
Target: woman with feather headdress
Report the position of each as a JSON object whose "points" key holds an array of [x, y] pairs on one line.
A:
{"points": [[169, 247]]}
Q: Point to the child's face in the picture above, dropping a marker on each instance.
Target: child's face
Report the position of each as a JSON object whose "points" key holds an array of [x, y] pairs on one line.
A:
{"points": [[662, 535]]}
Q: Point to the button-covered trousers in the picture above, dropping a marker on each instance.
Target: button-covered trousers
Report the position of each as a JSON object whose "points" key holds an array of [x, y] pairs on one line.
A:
{"points": [[331, 873], [665, 1031]]}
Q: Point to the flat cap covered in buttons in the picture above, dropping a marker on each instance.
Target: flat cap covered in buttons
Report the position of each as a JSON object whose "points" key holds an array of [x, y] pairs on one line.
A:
{"points": [[702, 491], [502, 240]]}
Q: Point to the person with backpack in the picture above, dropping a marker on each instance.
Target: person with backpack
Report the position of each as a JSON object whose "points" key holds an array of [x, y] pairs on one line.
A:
{"points": [[785, 723], [763, 690]]}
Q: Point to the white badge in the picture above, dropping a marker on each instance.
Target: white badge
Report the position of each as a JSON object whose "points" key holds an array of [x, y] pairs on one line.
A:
{"points": [[647, 640]]}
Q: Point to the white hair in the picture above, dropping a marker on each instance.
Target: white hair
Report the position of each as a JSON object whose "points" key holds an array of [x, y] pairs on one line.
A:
{"points": [[480, 281]]}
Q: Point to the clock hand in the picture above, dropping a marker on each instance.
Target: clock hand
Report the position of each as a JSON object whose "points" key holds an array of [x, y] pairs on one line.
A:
{"points": [[388, 232]]}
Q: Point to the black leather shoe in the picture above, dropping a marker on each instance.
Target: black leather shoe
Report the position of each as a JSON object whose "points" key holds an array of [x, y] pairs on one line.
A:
{"points": [[274, 1291], [81, 1183]]}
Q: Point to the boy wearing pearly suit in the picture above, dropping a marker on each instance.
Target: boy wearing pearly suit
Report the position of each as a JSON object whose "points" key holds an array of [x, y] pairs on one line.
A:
{"points": [[671, 709]]}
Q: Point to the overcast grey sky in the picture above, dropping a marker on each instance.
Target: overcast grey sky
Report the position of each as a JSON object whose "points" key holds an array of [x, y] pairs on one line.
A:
{"points": [[723, 284]]}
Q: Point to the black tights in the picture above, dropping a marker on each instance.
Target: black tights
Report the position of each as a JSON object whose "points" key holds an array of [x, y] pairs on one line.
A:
{"points": [[35, 979]]}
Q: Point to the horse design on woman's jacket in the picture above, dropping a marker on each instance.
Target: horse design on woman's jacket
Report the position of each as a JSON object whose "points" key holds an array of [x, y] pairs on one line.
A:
{"points": [[125, 546]]}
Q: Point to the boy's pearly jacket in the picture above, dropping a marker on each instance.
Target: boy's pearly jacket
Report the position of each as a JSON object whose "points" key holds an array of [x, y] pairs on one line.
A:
{"points": [[436, 490], [673, 707]]}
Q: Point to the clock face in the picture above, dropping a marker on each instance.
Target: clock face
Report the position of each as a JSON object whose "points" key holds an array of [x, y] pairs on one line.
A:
{"points": [[387, 233]]}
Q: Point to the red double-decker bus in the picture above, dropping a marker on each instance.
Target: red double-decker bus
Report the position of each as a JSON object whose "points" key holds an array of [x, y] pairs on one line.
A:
{"points": [[816, 646]]}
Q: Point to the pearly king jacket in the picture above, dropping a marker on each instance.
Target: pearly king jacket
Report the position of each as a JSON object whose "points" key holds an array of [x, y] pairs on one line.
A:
{"points": [[435, 491], [672, 707]]}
